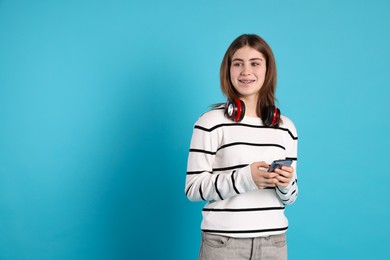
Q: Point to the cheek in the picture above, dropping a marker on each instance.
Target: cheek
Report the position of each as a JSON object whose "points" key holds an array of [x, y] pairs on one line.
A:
{"points": [[232, 74], [261, 74], [264, 71]]}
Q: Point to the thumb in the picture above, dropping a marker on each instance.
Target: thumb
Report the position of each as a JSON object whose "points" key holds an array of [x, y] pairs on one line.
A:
{"points": [[261, 164]]}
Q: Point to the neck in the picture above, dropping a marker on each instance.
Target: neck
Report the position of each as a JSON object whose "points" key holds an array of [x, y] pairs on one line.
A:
{"points": [[250, 107]]}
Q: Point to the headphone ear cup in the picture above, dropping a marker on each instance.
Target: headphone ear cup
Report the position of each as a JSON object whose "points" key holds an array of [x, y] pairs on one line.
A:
{"points": [[230, 108], [272, 116], [240, 111], [235, 110]]}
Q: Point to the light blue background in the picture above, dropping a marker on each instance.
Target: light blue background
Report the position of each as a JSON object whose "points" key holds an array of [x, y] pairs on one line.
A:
{"points": [[98, 101]]}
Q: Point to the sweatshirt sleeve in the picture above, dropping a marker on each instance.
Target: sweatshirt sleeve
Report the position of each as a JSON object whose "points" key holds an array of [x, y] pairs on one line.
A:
{"points": [[205, 183], [289, 194]]}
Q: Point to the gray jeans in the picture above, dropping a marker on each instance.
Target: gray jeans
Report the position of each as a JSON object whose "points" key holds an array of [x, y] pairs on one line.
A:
{"points": [[216, 247]]}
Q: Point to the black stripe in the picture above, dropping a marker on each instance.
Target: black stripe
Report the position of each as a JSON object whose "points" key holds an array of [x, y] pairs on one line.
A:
{"points": [[292, 193], [289, 132], [244, 231], [250, 144], [237, 143], [218, 169], [230, 167], [292, 158], [196, 172], [202, 151], [216, 187], [209, 129], [234, 183], [293, 183], [243, 209], [201, 193], [245, 125], [188, 190], [285, 193]]}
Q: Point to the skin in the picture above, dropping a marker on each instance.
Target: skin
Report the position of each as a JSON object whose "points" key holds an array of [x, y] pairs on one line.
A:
{"points": [[247, 74]]}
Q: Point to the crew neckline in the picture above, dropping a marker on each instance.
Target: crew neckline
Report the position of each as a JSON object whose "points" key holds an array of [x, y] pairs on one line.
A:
{"points": [[252, 119]]}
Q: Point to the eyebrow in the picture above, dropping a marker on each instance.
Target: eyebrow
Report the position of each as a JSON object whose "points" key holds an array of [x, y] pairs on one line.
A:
{"points": [[238, 59]]}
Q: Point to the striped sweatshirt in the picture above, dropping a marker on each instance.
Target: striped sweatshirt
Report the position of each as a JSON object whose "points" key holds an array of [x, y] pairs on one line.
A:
{"points": [[218, 171]]}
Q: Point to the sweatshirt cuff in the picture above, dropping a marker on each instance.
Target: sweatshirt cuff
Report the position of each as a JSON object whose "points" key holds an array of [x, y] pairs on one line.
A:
{"points": [[286, 189], [249, 182]]}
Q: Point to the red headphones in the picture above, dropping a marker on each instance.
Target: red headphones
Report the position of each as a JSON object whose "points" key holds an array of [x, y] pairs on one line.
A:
{"points": [[235, 110]]}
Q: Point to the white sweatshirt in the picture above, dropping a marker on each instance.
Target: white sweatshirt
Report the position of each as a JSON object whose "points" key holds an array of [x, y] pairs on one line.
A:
{"points": [[218, 171]]}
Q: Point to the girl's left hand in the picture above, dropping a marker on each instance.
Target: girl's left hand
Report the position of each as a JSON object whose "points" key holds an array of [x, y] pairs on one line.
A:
{"points": [[285, 175]]}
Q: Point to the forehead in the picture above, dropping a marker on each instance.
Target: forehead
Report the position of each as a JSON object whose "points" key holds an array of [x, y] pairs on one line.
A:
{"points": [[247, 53]]}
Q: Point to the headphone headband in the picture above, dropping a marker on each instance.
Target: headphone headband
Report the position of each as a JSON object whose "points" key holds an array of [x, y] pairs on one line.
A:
{"points": [[235, 110]]}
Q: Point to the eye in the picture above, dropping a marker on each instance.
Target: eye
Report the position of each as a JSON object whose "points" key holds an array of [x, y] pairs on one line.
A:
{"points": [[255, 64], [237, 64]]}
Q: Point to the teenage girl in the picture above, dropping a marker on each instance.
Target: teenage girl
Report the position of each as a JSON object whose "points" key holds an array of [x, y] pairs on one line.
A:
{"points": [[231, 150]]}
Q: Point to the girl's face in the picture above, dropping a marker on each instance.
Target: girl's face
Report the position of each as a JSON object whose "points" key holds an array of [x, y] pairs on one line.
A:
{"points": [[247, 72]]}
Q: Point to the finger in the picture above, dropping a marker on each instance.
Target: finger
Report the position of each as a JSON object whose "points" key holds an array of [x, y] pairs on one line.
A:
{"points": [[267, 183], [288, 169], [262, 164], [284, 173], [282, 184], [270, 175], [282, 179], [271, 181]]}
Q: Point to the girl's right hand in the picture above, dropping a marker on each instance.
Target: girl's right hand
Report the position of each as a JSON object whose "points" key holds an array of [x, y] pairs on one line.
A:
{"points": [[261, 177]]}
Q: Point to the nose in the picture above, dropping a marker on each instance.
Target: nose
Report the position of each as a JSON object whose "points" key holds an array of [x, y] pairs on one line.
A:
{"points": [[245, 71]]}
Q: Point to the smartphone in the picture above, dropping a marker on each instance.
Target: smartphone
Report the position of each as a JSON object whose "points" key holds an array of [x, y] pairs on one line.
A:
{"points": [[277, 164]]}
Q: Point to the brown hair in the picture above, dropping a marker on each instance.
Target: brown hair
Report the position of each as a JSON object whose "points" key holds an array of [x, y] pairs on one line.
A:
{"points": [[267, 91]]}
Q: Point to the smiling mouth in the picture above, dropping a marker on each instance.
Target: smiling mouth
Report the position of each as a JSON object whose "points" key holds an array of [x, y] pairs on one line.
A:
{"points": [[246, 81]]}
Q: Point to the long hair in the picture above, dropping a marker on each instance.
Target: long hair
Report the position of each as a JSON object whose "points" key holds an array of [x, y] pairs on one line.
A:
{"points": [[267, 91]]}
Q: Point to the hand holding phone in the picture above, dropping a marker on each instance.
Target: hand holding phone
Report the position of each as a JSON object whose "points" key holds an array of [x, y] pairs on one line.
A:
{"points": [[277, 164]]}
